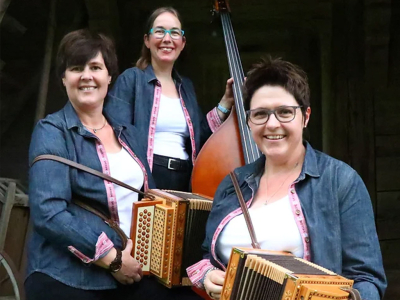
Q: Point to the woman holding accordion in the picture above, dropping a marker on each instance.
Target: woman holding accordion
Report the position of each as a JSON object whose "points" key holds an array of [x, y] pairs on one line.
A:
{"points": [[300, 200]]}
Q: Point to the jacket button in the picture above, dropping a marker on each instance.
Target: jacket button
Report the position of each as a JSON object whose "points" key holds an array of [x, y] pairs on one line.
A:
{"points": [[307, 239], [292, 191], [297, 212]]}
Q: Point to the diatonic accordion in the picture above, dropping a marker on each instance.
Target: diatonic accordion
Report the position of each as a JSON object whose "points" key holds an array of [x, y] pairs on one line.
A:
{"points": [[254, 274], [167, 234]]}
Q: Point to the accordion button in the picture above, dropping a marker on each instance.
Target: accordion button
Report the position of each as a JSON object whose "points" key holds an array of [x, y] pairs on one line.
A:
{"points": [[307, 239], [292, 191], [297, 212]]}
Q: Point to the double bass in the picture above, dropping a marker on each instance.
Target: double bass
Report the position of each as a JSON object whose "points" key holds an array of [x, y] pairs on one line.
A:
{"points": [[232, 145]]}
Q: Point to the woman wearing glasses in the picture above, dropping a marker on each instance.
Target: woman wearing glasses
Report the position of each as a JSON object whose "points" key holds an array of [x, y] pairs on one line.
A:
{"points": [[300, 200], [162, 104]]}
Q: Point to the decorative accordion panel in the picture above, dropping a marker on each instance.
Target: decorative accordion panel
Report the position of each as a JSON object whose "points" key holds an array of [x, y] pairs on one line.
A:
{"points": [[174, 231], [142, 232], [257, 275], [162, 241]]}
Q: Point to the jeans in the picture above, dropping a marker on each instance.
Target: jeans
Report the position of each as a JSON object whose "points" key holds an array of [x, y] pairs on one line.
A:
{"points": [[40, 286], [172, 180]]}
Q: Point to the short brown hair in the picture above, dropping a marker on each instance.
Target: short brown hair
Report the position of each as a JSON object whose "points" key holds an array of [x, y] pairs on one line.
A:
{"points": [[277, 72], [78, 47], [145, 57]]}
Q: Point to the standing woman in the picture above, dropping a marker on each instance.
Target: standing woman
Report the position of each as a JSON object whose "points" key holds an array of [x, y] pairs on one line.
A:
{"points": [[73, 253], [300, 200], [162, 105]]}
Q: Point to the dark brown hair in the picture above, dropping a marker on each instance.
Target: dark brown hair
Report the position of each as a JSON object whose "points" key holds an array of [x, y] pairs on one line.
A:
{"points": [[78, 47], [277, 72], [145, 57]]}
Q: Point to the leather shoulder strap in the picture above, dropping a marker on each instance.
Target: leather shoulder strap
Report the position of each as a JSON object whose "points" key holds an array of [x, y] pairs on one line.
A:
{"points": [[85, 169], [246, 214]]}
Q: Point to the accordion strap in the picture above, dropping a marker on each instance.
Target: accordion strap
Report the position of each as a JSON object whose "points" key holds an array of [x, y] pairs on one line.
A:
{"points": [[87, 207], [245, 210], [85, 169], [353, 293]]}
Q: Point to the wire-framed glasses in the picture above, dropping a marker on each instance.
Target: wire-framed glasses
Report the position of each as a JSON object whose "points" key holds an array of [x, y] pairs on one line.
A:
{"points": [[283, 114], [160, 32]]}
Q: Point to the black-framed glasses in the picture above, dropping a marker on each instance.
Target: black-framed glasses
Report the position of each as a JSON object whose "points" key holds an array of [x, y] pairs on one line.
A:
{"points": [[160, 32], [283, 114]]}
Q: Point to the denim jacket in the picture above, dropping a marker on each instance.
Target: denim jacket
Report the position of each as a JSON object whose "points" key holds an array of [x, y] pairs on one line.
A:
{"points": [[66, 238], [339, 221], [135, 99]]}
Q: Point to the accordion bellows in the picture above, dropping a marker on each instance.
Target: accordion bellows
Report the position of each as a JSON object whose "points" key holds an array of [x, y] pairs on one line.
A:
{"points": [[254, 274], [167, 234]]}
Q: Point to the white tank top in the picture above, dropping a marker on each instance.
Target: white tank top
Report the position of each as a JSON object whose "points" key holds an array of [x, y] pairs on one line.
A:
{"points": [[124, 168], [274, 226], [171, 129]]}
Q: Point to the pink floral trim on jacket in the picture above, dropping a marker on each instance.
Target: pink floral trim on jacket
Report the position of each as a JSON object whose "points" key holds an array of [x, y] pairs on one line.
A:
{"points": [[153, 124], [111, 197], [103, 245], [213, 119]]}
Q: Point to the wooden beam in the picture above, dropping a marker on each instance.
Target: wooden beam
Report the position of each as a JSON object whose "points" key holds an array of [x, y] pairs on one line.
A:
{"points": [[3, 8], [41, 104]]}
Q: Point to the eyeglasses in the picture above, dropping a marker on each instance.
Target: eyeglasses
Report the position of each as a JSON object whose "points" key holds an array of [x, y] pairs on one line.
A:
{"points": [[283, 114], [159, 33]]}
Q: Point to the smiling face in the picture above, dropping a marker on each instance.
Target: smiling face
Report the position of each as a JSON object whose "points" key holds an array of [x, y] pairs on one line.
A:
{"points": [[166, 50], [87, 85], [278, 140]]}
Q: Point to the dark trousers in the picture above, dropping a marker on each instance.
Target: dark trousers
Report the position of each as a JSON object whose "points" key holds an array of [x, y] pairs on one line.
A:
{"points": [[39, 286], [167, 179]]}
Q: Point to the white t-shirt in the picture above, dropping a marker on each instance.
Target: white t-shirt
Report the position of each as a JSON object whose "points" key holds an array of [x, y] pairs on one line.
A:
{"points": [[171, 129], [124, 168], [274, 226]]}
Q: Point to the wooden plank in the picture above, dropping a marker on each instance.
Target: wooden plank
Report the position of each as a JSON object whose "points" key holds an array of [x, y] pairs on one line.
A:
{"points": [[388, 173], [393, 291], [387, 146], [387, 108], [391, 262], [6, 212], [387, 215]]}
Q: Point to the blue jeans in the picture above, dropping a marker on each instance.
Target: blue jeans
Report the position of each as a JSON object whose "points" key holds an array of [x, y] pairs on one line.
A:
{"points": [[39, 286]]}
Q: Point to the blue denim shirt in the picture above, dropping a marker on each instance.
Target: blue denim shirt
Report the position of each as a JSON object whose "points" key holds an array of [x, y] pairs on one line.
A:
{"points": [[132, 98], [57, 222], [338, 213]]}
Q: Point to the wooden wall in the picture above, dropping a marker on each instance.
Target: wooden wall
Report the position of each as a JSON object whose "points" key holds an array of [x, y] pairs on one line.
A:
{"points": [[349, 48], [386, 54]]}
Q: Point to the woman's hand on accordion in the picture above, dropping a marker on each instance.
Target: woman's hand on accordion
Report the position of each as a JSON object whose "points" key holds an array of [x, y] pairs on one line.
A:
{"points": [[214, 282], [130, 271]]}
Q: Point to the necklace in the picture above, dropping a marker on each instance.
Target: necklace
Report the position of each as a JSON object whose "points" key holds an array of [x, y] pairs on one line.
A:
{"points": [[97, 129], [266, 182]]}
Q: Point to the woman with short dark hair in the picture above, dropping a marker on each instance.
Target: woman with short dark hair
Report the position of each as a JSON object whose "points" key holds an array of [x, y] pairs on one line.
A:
{"points": [[73, 253], [300, 200]]}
